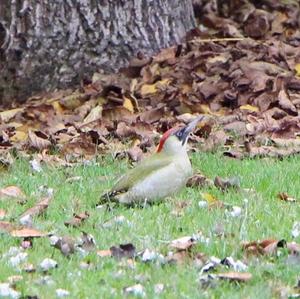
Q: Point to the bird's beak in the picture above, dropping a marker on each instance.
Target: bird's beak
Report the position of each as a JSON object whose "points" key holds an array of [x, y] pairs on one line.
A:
{"points": [[183, 133]]}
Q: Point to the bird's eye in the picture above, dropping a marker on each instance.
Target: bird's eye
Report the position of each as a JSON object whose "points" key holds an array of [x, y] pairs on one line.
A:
{"points": [[179, 134]]}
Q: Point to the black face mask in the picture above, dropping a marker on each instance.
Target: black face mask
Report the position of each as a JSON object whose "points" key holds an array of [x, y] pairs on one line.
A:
{"points": [[182, 135]]}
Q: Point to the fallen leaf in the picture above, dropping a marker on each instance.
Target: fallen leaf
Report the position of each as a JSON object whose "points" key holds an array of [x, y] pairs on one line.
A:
{"points": [[226, 183], [104, 253], [128, 104], [12, 191], [135, 153], [212, 201], [27, 233], [123, 250], [209, 197], [6, 116], [38, 140], [87, 242], [249, 108], [235, 276], [153, 88], [77, 219], [19, 136], [73, 101], [285, 197], [183, 243], [285, 102], [152, 116], [268, 246], [199, 180], [297, 69], [38, 209], [179, 257], [95, 114], [6, 226], [65, 244]]}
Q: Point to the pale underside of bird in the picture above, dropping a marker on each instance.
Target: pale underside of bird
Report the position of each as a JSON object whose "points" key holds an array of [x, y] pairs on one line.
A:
{"points": [[158, 176]]}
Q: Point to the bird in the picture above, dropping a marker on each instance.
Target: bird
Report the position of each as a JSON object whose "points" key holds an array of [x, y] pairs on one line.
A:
{"points": [[158, 176]]}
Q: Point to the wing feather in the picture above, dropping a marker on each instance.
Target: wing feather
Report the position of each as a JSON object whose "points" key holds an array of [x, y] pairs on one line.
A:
{"points": [[141, 171]]}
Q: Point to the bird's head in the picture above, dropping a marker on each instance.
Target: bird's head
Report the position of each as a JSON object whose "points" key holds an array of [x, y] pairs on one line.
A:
{"points": [[175, 139]]}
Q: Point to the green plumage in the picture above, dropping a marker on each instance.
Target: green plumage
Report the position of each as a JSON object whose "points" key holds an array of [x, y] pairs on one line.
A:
{"points": [[141, 171]]}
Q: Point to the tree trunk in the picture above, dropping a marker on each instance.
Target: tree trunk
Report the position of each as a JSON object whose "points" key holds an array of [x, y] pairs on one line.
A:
{"points": [[47, 44]]}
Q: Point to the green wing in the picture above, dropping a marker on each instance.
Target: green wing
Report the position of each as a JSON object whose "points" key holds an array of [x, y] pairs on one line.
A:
{"points": [[142, 170]]}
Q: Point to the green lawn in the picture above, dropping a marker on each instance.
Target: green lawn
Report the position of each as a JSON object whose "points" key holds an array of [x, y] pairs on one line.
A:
{"points": [[263, 216]]}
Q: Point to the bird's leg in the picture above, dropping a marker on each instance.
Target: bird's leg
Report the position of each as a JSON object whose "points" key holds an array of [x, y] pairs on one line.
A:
{"points": [[145, 203]]}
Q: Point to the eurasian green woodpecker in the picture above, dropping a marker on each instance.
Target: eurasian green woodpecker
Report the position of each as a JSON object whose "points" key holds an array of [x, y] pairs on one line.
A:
{"points": [[158, 176]]}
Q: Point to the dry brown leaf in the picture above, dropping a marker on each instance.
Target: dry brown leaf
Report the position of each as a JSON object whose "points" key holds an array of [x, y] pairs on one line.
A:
{"points": [[6, 226], [6, 116], [165, 54], [104, 253], [285, 102], [135, 153], [38, 140], [65, 244], [128, 104], [183, 243], [118, 113], [74, 100], [19, 136], [77, 219], [179, 257], [95, 114], [235, 276], [12, 191], [268, 246], [285, 197], [152, 116], [199, 180], [27, 233], [123, 250], [249, 108], [225, 183], [38, 209], [148, 89]]}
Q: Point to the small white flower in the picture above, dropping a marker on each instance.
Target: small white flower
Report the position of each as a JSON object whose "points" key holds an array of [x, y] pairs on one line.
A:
{"points": [[62, 293], [48, 264], [7, 291], [136, 290], [203, 204], [296, 230], [235, 212], [18, 259]]}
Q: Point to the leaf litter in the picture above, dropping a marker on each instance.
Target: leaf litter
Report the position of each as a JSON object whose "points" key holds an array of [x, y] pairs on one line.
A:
{"points": [[244, 78]]}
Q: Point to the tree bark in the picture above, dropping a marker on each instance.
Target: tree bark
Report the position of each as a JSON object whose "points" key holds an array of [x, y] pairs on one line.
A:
{"points": [[47, 44]]}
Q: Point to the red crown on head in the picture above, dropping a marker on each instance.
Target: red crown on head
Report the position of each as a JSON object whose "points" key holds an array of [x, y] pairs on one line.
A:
{"points": [[164, 137]]}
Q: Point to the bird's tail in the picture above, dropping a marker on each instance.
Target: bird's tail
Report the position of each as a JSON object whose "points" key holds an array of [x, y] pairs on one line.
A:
{"points": [[106, 198]]}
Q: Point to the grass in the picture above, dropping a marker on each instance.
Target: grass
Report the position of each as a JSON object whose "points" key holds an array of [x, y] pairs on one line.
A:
{"points": [[264, 216]]}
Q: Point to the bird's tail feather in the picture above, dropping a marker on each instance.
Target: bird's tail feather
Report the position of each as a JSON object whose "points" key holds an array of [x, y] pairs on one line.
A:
{"points": [[106, 198]]}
